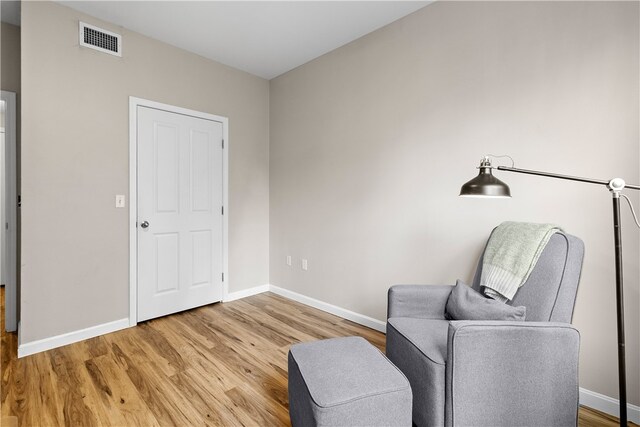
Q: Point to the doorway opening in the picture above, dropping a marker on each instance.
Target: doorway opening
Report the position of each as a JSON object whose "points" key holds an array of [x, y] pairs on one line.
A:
{"points": [[8, 208]]}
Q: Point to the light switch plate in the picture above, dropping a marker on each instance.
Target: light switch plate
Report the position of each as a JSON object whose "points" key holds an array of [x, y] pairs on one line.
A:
{"points": [[289, 260], [119, 200], [305, 265]]}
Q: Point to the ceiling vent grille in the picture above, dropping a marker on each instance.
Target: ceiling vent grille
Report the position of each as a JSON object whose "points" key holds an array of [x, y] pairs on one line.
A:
{"points": [[99, 39]]}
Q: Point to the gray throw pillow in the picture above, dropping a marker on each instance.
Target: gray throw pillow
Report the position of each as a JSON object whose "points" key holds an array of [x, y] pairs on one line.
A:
{"points": [[465, 303]]}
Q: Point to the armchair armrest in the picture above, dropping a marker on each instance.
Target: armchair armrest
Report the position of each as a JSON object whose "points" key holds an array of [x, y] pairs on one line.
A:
{"points": [[512, 373], [421, 301]]}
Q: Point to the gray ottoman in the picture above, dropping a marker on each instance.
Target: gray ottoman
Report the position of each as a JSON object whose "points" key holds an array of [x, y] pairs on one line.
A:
{"points": [[346, 382]]}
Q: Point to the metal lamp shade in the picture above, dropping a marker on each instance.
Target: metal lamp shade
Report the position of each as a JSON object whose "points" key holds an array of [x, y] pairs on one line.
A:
{"points": [[485, 185]]}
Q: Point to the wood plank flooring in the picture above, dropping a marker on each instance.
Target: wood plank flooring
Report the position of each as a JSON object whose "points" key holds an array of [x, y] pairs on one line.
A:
{"points": [[223, 364], [588, 417]]}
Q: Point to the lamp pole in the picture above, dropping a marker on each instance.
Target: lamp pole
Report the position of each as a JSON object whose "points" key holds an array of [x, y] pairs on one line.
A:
{"points": [[615, 185], [622, 376]]}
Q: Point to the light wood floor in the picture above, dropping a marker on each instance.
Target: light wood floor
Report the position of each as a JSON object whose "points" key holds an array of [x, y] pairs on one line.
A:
{"points": [[223, 364]]}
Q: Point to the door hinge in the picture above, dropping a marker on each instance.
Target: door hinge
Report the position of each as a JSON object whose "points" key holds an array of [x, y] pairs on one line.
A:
{"points": [[223, 277], [223, 144], [222, 210]]}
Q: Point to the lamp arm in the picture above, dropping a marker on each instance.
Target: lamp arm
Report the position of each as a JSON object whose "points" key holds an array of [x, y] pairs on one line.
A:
{"points": [[567, 177]]}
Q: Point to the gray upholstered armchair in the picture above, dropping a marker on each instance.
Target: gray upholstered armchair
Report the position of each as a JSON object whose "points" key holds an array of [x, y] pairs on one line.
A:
{"points": [[493, 373]]}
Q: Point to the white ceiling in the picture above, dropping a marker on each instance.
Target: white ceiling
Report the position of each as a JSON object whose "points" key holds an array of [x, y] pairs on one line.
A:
{"points": [[265, 38]]}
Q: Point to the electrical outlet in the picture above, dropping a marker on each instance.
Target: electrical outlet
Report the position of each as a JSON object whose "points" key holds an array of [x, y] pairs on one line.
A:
{"points": [[119, 200], [289, 260], [305, 265]]}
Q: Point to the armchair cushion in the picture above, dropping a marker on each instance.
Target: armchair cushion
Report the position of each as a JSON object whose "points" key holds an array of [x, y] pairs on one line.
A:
{"points": [[465, 303], [429, 336]]}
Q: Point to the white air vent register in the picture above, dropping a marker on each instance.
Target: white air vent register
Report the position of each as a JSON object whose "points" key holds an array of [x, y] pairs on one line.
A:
{"points": [[100, 39]]}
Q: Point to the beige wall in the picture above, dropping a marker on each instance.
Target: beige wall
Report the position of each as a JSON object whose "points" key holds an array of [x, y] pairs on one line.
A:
{"points": [[10, 57], [370, 144], [75, 160]]}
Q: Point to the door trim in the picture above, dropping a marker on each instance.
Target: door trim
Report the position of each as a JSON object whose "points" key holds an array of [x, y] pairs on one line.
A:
{"points": [[134, 103], [10, 251]]}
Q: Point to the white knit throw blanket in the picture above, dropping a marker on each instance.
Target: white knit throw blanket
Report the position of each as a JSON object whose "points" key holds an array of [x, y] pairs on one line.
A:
{"points": [[511, 255]]}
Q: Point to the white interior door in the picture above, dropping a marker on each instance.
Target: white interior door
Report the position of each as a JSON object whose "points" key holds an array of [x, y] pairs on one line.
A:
{"points": [[180, 226]]}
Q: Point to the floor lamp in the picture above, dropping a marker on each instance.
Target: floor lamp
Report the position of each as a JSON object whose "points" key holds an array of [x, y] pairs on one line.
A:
{"points": [[486, 185]]}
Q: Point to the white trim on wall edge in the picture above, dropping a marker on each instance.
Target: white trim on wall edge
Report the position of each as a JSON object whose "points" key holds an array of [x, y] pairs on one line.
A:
{"points": [[71, 337], [361, 319], [608, 405], [232, 296]]}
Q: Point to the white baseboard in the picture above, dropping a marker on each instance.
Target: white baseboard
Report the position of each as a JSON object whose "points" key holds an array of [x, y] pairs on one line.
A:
{"points": [[232, 296], [608, 405], [33, 347], [361, 319]]}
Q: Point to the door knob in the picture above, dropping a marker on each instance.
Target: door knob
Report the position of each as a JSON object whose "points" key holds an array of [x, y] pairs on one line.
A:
{"points": [[145, 224]]}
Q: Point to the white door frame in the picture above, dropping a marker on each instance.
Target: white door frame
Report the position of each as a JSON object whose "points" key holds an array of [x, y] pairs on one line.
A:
{"points": [[134, 103], [10, 251]]}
